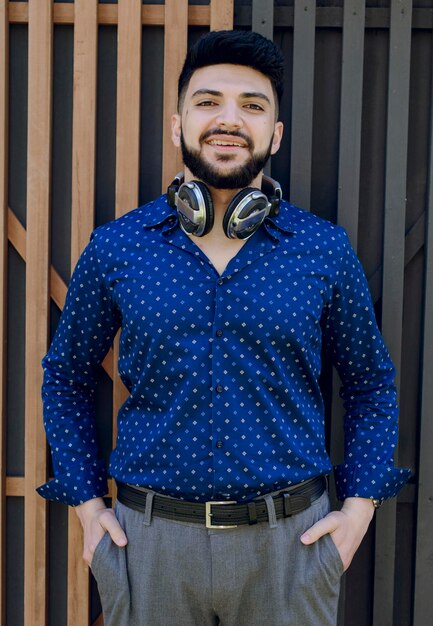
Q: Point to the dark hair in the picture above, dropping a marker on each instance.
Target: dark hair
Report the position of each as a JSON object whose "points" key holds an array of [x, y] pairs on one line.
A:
{"points": [[237, 47]]}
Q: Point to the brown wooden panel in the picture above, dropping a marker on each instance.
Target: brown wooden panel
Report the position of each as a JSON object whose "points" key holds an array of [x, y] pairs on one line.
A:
{"points": [[4, 69], [128, 105], [37, 302], [58, 289], [15, 486], [175, 45], [221, 14], [84, 125], [127, 140], [151, 14], [16, 234], [82, 220]]}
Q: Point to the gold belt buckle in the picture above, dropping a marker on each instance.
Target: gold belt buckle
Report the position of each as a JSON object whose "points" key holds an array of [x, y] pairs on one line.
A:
{"points": [[208, 512]]}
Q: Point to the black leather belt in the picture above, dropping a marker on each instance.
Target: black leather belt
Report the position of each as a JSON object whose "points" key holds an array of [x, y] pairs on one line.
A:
{"points": [[225, 514]]}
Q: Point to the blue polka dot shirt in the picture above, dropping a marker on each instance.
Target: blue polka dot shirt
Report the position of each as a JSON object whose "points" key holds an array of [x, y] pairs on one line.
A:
{"points": [[222, 370]]}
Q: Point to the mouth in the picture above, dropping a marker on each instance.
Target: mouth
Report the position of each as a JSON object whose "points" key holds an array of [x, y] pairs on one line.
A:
{"points": [[226, 140], [225, 143]]}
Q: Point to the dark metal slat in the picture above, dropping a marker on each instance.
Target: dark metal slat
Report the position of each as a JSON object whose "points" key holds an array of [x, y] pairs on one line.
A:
{"points": [[348, 183], [393, 271], [350, 117], [302, 106], [263, 17], [263, 23], [332, 17], [423, 597]]}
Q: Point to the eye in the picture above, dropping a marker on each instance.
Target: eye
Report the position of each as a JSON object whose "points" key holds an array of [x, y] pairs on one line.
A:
{"points": [[252, 106], [206, 103]]}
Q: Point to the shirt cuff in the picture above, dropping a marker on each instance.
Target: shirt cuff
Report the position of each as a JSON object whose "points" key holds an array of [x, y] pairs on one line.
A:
{"points": [[77, 485], [369, 481]]}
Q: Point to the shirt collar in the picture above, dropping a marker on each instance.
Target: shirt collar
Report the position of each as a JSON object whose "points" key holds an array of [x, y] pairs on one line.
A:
{"points": [[160, 214], [281, 223]]}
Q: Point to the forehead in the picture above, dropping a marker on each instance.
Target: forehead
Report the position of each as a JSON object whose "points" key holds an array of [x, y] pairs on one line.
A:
{"points": [[228, 78]]}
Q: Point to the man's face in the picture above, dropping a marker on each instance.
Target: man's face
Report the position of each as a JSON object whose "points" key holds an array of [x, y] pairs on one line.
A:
{"points": [[226, 127]]}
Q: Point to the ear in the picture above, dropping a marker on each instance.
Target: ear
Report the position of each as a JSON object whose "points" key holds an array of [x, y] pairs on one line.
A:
{"points": [[175, 129], [278, 135]]}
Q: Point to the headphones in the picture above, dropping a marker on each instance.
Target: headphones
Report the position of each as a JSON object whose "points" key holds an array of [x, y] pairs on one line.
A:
{"points": [[244, 214]]}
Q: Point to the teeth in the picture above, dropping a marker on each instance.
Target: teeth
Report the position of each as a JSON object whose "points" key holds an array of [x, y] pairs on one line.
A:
{"points": [[218, 142]]}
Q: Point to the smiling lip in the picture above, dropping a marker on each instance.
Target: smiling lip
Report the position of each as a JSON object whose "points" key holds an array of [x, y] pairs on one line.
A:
{"points": [[227, 142]]}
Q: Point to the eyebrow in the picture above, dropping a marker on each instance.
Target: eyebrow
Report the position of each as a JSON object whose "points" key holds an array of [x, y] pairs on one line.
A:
{"points": [[219, 94]]}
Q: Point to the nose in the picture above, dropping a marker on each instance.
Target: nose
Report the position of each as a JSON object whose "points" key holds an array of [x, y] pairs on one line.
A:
{"points": [[229, 115]]}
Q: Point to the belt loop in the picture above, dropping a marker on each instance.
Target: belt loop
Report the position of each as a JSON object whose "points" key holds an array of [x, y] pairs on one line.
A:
{"points": [[148, 510], [252, 513], [272, 516]]}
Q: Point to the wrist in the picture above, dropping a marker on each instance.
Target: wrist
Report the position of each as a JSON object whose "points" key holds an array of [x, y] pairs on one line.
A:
{"points": [[359, 506], [88, 508]]}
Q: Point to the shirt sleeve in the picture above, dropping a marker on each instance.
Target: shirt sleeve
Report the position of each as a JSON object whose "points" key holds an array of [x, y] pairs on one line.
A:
{"points": [[88, 324], [367, 373]]}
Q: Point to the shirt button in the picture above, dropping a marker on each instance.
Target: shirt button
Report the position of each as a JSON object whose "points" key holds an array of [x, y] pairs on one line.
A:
{"points": [[219, 388], [219, 444], [219, 332], [220, 281]]}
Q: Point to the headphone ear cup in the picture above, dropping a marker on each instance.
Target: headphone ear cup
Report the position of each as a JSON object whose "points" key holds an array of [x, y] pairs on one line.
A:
{"points": [[243, 204], [197, 196], [207, 200]]}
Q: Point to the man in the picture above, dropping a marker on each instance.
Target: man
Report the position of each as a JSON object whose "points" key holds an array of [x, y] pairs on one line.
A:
{"points": [[225, 296]]}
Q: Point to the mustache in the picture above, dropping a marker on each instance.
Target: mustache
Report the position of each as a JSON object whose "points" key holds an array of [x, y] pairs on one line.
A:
{"points": [[215, 132]]}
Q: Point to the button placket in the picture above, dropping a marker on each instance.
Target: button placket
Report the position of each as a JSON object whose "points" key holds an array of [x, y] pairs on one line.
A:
{"points": [[220, 384]]}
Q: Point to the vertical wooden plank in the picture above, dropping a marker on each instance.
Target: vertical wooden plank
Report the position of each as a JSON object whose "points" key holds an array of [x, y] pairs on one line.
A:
{"points": [[37, 303], [83, 124], [4, 64], [393, 271], [303, 98], [423, 597], [349, 166], [175, 46], [221, 14], [128, 105], [263, 18], [83, 191], [127, 137]]}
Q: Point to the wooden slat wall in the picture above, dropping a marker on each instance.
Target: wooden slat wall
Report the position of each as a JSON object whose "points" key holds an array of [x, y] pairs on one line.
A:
{"points": [[82, 221], [175, 46], [37, 302], [221, 14], [43, 281]]}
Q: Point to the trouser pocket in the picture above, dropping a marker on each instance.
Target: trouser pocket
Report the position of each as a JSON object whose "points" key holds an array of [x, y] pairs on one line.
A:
{"points": [[109, 567]]}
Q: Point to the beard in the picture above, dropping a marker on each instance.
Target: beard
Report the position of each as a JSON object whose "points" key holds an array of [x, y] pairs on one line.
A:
{"points": [[238, 177]]}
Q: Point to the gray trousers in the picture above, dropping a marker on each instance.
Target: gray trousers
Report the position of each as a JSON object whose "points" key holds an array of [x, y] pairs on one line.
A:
{"points": [[181, 574]]}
